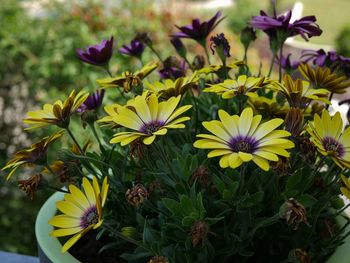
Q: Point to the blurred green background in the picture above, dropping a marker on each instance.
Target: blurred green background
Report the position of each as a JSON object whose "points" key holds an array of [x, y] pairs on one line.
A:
{"points": [[38, 64]]}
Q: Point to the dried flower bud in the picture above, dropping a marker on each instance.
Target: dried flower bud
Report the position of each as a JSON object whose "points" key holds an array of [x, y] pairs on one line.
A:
{"points": [[30, 186], [328, 229], [136, 149], [179, 46], [198, 62], [145, 38], [199, 232], [299, 255], [220, 44], [294, 121], [248, 36], [136, 195], [307, 149], [201, 175], [294, 213], [158, 259], [282, 166], [316, 108]]}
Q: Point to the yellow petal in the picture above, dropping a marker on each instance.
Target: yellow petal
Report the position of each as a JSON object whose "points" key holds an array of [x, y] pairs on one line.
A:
{"points": [[79, 197], [224, 163], [215, 153], [245, 121], [149, 140], [89, 191], [245, 157], [267, 127], [234, 160], [261, 162], [64, 221], [69, 209], [65, 231]]}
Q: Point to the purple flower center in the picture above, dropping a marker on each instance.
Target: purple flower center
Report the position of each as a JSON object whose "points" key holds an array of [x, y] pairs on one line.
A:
{"points": [[333, 146], [151, 127], [243, 144], [90, 217]]}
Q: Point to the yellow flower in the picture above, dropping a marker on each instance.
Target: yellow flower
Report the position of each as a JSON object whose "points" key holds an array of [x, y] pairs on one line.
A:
{"points": [[328, 135], [148, 118], [299, 93], [57, 114], [170, 88], [128, 80], [345, 190], [242, 86], [240, 139], [82, 211], [324, 79], [36, 154], [269, 106], [219, 68]]}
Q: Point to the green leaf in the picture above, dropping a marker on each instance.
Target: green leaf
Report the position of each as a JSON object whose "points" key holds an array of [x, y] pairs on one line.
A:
{"points": [[188, 221], [219, 184], [252, 200], [307, 200], [186, 205], [173, 206]]}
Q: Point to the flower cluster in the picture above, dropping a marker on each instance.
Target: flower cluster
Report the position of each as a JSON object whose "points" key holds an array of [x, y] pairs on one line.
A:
{"points": [[201, 162]]}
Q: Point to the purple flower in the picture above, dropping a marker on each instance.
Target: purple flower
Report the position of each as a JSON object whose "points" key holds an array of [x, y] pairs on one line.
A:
{"points": [[172, 68], [135, 48], [179, 46], [322, 58], [92, 102], [98, 55], [305, 27], [221, 45], [198, 30], [287, 64]]}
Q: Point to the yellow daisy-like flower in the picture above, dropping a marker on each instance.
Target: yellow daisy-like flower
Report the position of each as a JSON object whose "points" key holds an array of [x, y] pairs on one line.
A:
{"points": [[58, 113], [36, 154], [128, 80], [345, 190], [299, 93], [241, 139], [148, 118], [82, 211], [170, 88], [328, 135], [324, 79], [268, 106], [242, 86], [111, 110]]}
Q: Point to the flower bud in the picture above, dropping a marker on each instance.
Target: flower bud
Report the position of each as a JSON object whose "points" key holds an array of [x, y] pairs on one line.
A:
{"points": [[158, 259], [201, 176], [145, 38], [31, 185], [198, 62], [248, 36], [294, 213], [220, 44], [136, 195], [294, 121], [299, 255], [179, 46], [199, 232]]}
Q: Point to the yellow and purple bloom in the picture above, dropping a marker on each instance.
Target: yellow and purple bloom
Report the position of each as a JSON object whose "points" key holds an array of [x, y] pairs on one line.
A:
{"points": [[134, 49], [199, 31], [98, 55]]}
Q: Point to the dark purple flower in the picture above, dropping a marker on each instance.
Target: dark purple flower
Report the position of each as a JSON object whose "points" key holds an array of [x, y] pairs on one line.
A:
{"points": [[322, 58], [179, 46], [98, 55], [135, 48], [92, 102], [221, 45], [172, 68], [287, 64], [305, 27], [198, 30]]}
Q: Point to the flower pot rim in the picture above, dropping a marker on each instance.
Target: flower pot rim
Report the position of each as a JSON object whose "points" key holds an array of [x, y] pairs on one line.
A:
{"points": [[50, 245]]}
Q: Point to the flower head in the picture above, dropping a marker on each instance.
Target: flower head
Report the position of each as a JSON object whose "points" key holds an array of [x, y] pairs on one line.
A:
{"points": [[243, 85], [173, 68], [128, 80], [135, 48], [294, 213], [287, 64], [199, 31], [240, 139], [98, 55], [58, 113], [82, 211], [169, 88], [330, 138], [92, 102], [36, 154], [319, 57], [324, 79], [148, 117]]}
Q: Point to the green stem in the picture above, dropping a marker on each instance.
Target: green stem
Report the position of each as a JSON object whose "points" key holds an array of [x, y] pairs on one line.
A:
{"points": [[342, 210], [245, 57], [206, 53], [92, 126], [156, 53], [271, 65], [330, 99], [188, 63], [111, 152], [280, 64], [57, 189], [75, 141]]}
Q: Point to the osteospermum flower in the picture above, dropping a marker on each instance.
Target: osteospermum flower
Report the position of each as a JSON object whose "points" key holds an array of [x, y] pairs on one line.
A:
{"points": [[134, 49], [241, 139], [328, 135], [82, 211], [346, 188], [127, 80], [93, 102], [56, 114], [324, 79], [169, 88], [243, 85], [148, 118], [299, 93], [36, 154]]}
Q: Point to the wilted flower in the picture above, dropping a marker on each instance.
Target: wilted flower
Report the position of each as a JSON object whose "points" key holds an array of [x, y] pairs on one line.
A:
{"points": [[57, 114], [199, 232], [294, 121], [135, 48], [201, 175], [30, 186], [199, 31], [172, 68], [98, 55], [93, 102], [158, 259], [294, 213], [220, 44], [136, 195], [36, 154]]}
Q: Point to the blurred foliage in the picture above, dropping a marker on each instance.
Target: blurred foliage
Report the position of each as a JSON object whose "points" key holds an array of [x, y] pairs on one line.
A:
{"points": [[343, 41]]}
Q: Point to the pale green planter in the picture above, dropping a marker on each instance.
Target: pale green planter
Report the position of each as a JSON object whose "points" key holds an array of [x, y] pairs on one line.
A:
{"points": [[50, 248]]}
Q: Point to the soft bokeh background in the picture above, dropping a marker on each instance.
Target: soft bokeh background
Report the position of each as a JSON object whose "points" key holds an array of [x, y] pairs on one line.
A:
{"points": [[37, 63]]}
